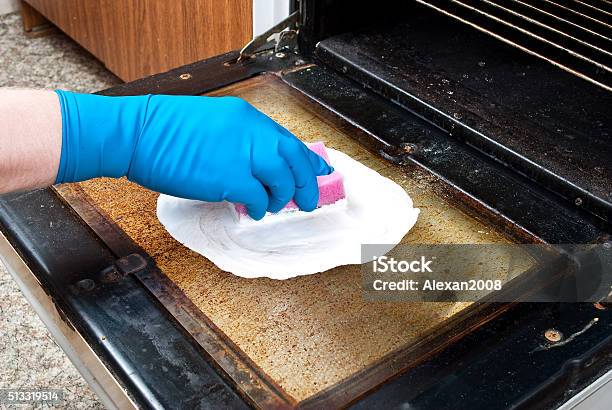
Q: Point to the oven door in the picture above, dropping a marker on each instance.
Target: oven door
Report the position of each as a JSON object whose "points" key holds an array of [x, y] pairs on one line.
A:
{"points": [[152, 324]]}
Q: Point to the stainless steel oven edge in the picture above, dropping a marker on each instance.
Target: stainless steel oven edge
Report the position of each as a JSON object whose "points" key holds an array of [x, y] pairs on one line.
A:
{"points": [[596, 396], [109, 391]]}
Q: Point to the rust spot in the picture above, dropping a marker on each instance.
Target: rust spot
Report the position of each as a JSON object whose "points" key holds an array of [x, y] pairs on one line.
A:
{"points": [[600, 306], [408, 148]]}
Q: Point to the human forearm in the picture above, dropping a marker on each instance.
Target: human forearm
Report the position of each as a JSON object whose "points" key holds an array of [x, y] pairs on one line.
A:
{"points": [[31, 138]]}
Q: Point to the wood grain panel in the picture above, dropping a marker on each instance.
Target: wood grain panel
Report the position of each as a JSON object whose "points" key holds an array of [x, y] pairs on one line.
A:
{"points": [[135, 38], [77, 18], [31, 19]]}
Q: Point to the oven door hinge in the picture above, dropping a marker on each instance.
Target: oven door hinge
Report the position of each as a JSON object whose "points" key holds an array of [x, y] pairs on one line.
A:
{"points": [[282, 35], [122, 267]]}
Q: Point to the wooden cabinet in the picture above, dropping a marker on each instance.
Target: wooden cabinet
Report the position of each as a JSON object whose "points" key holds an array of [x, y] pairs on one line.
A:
{"points": [[136, 38]]}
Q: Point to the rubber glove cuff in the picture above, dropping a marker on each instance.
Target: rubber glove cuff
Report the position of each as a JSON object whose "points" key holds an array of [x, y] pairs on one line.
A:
{"points": [[99, 134]]}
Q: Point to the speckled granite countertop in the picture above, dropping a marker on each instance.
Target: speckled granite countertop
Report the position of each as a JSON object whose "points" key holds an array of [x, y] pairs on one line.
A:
{"points": [[29, 357]]}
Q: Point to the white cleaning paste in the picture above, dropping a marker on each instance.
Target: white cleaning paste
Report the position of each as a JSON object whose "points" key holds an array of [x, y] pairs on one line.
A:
{"points": [[376, 211]]}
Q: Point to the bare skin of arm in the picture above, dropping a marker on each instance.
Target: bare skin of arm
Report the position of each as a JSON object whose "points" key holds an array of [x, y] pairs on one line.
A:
{"points": [[31, 136]]}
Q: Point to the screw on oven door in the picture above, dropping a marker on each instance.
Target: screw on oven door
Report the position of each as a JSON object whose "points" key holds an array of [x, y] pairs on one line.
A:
{"points": [[553, 335], [110, 275], [86, 285], [185, 76]]}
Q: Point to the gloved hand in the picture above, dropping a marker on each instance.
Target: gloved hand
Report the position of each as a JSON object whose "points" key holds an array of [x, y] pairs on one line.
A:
{"points": [[205, 148]]}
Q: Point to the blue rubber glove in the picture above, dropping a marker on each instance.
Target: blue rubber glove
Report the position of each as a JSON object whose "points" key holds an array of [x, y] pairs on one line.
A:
{"points": [[205, 148]]}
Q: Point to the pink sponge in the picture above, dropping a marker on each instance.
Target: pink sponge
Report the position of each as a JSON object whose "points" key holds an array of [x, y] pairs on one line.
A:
{"points": [[331, 187]]}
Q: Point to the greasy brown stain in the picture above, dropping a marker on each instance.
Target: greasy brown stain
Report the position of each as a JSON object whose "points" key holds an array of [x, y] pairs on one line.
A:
{"points": [[310, 332]]}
